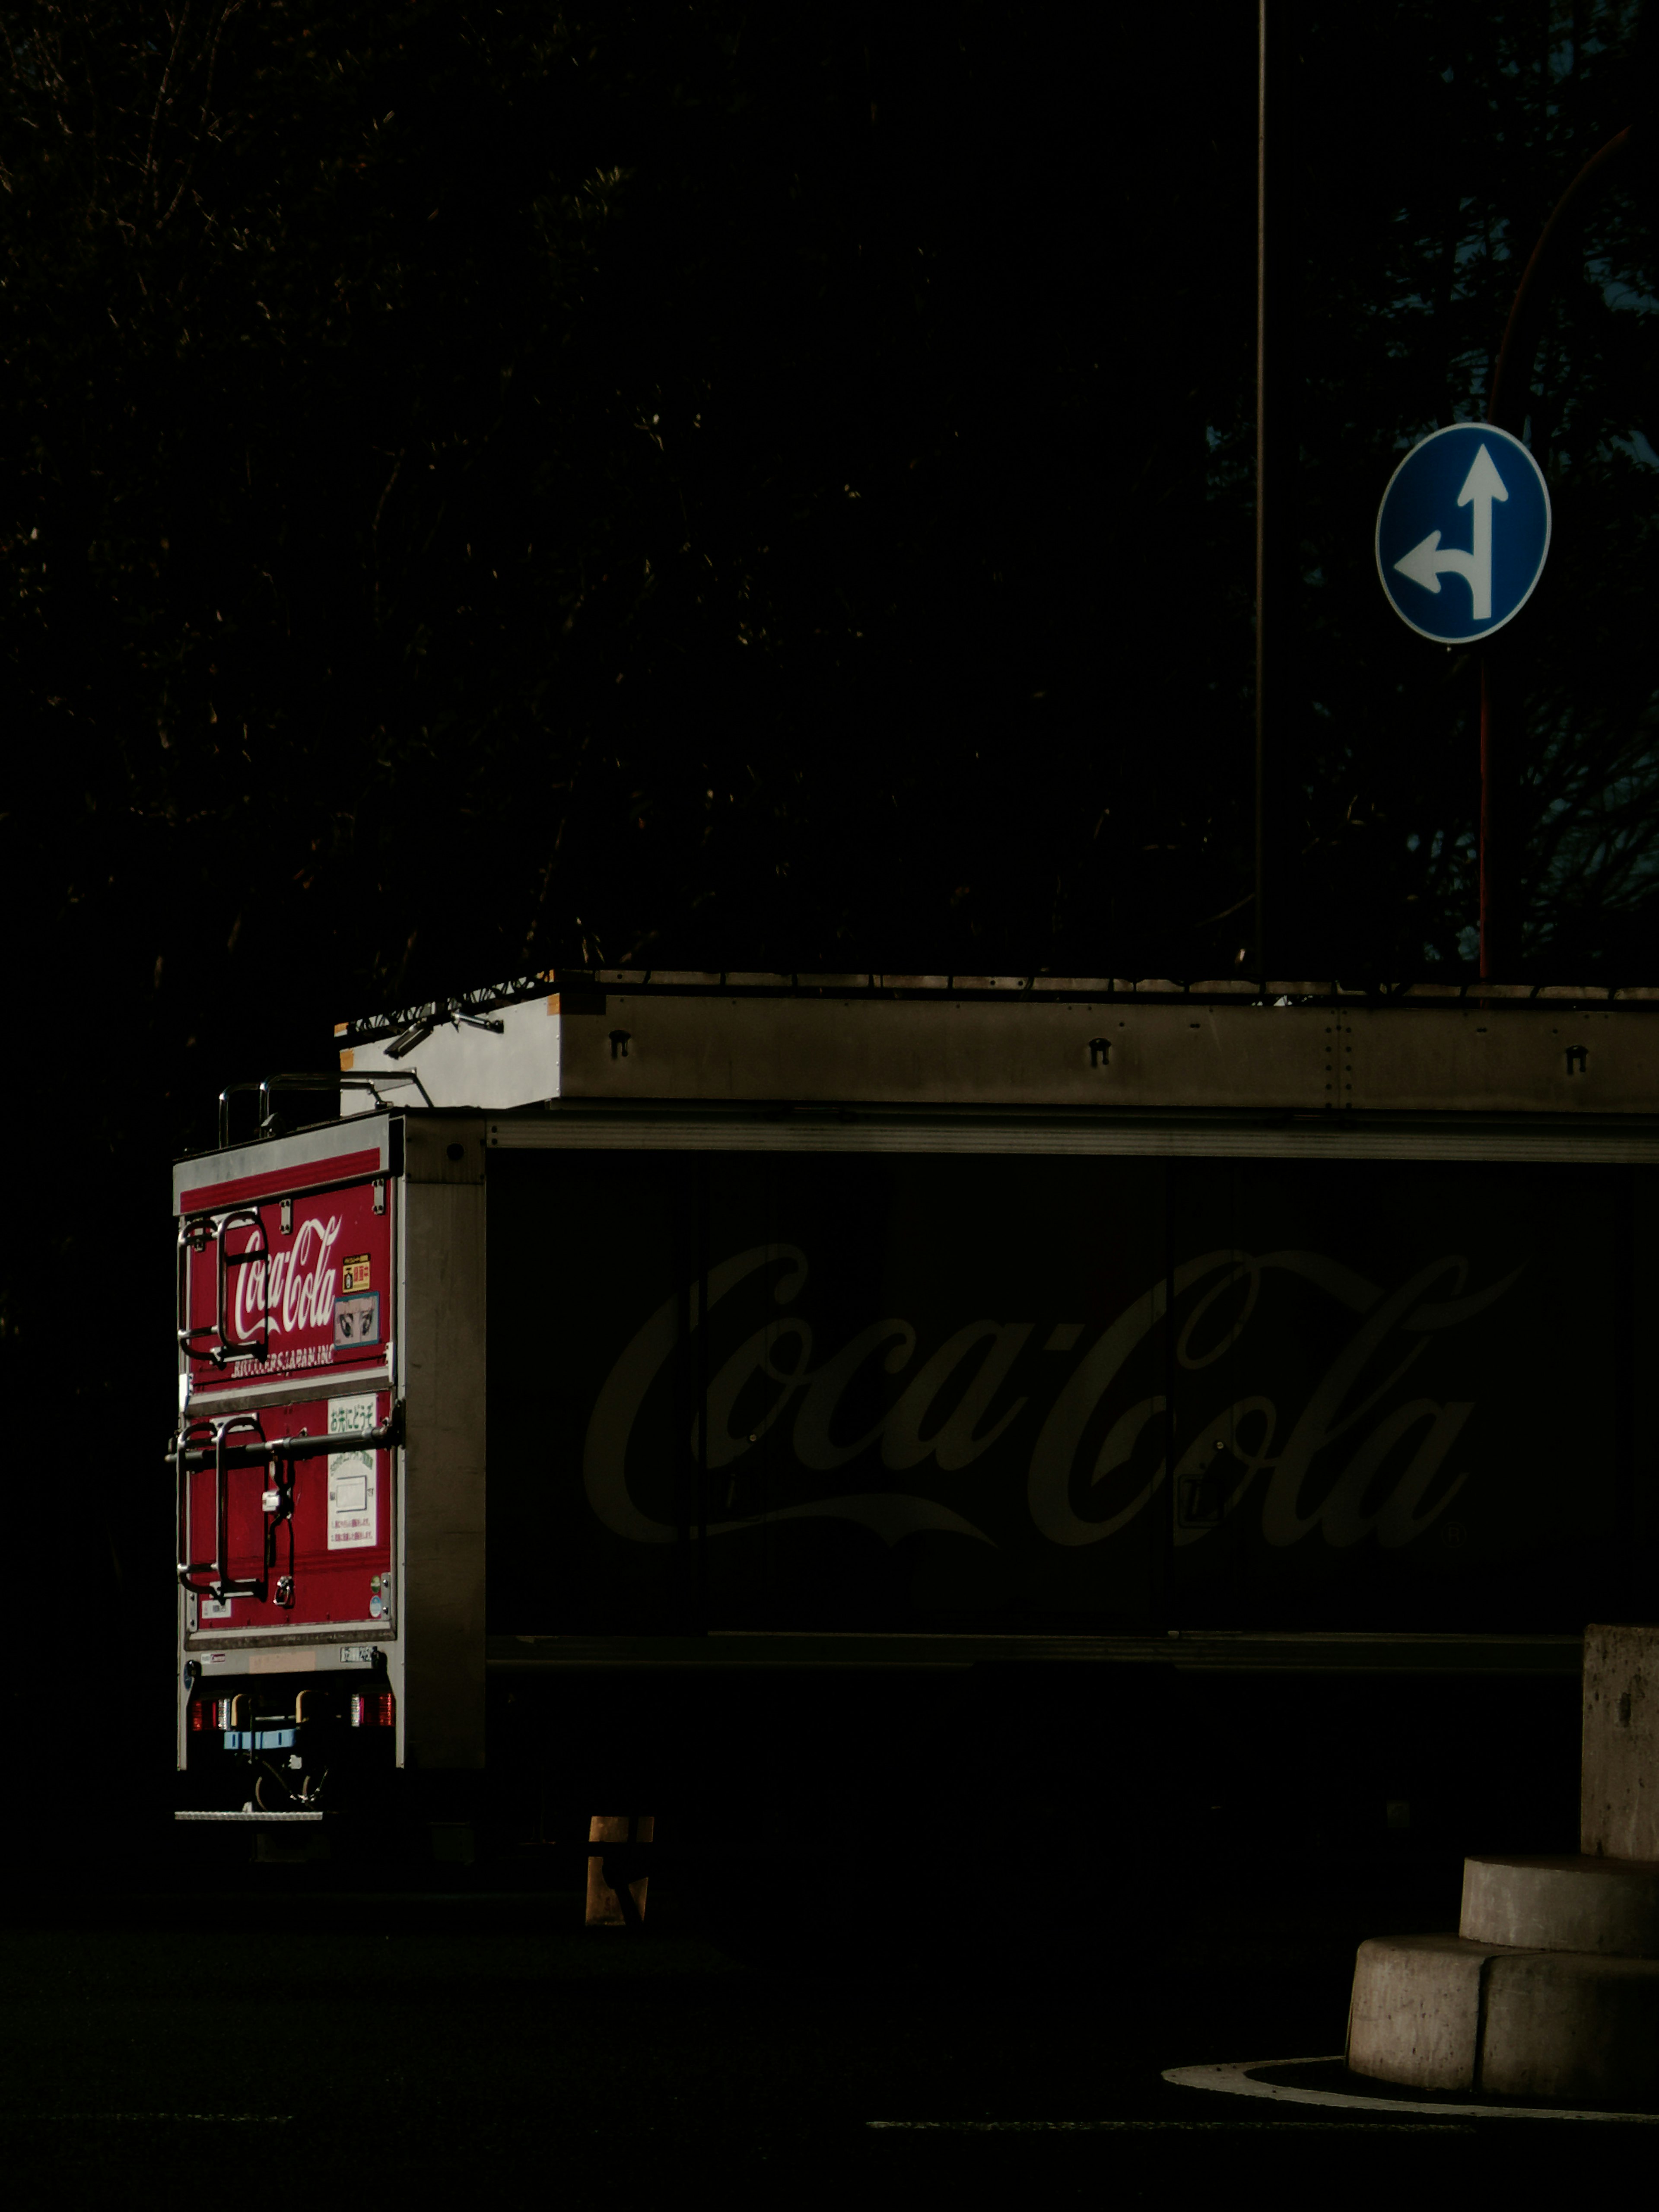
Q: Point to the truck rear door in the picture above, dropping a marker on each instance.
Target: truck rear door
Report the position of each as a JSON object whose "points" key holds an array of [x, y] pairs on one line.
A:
{"points": [[287, 1254]]}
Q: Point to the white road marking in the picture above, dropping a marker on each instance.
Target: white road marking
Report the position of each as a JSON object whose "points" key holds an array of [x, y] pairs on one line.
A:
{"points": [[1238, 2080], [270, 2119], [1230, 2127]]}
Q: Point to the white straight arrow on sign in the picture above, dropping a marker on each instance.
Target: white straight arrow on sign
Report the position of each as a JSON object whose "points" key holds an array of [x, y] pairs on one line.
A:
{"points": [[1426, 564]]}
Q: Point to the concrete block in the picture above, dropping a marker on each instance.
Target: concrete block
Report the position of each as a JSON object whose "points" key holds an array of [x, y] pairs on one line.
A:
{"points": [[1618, 1815], [1439, 2012], [1415, 2014], [1607, 1908], [1560, 2025]]}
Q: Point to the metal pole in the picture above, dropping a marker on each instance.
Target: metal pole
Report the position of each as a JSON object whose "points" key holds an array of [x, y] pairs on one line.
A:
{"points": [[1259, 902], [1494, 951]]}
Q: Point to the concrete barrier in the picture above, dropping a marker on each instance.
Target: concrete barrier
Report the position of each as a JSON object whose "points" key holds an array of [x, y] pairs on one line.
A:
{"points": [[1618, 1804], [1415, 2014], [1550, 1989], [1439, 2012], [1608, 1908]]}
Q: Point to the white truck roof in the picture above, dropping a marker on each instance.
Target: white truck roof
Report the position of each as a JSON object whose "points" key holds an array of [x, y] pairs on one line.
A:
{"points": [[1093, 1045]]}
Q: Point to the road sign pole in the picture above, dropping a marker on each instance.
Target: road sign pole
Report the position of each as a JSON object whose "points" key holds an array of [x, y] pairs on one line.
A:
{"points": [[1495, 951], [1511, 377], [1480, 484]]}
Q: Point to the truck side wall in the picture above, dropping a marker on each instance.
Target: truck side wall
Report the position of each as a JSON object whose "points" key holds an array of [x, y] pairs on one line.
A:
{"points": [[441, 1358], [937, 1390]]}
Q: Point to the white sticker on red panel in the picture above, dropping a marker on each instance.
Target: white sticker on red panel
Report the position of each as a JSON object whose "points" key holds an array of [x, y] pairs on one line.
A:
{"points": [[352, 1519]]}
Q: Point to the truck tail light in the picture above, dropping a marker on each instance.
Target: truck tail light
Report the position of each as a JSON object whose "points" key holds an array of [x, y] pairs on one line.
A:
{"points": [[198, 1717], [377, 1709]]}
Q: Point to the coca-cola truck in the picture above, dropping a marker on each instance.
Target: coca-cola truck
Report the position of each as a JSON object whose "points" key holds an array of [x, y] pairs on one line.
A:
{"points": [[773, 1398]]}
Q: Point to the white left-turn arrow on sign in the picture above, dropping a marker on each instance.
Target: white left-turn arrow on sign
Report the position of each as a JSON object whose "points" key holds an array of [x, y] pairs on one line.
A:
{"points": [[1425, 563]]}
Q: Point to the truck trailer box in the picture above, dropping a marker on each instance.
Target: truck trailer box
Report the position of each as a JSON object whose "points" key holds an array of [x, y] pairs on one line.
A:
{"points": [[664, 1387]]}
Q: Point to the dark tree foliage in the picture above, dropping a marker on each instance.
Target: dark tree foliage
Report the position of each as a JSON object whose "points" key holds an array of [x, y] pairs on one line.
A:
{"points": [[496, 487], [1410, 232], [504, 491]]}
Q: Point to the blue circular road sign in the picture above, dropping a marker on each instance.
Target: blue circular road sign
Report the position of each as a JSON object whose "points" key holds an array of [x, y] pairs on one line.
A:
{"points": [[1463, 532]]}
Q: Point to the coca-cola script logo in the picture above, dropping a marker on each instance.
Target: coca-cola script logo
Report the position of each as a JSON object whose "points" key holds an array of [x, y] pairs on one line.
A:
{"points": [[1375, 1433], [301, 1295]]}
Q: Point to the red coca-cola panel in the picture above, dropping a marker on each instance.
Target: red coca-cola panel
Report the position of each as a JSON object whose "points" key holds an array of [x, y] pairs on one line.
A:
{"points": [[266, 1302], [314, 1533]]}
